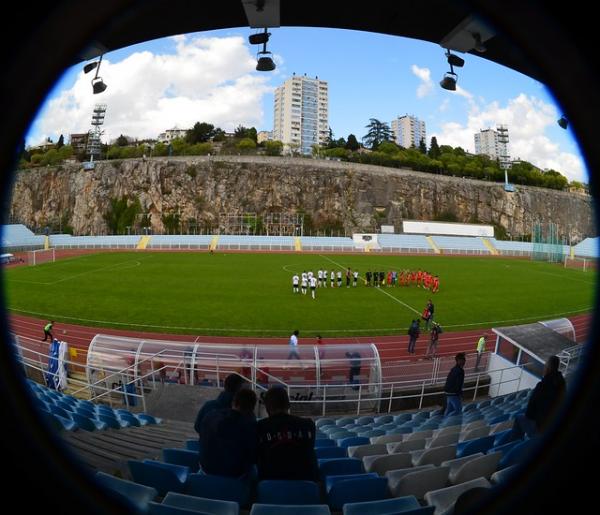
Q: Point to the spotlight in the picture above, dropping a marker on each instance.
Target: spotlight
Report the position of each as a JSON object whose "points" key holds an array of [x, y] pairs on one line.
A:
{"points": [[479, 46], [265, 64], [449, 81], [259, 39], [89, 67], [454, 60], [98, 85], [563, 122]]}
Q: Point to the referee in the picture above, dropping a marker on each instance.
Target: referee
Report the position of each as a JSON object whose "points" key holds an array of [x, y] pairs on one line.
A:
{"points": [[48, 331]]}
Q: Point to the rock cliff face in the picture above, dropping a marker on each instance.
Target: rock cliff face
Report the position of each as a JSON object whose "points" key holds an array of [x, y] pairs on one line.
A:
{"points": [[352, 197]]}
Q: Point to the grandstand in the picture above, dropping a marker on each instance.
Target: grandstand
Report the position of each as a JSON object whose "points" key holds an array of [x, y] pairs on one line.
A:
{"points": [[587, 248], [18, 237]]}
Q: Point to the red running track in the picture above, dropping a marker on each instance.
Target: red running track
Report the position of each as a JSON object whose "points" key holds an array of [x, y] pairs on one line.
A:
{"points": [[391, 348]]}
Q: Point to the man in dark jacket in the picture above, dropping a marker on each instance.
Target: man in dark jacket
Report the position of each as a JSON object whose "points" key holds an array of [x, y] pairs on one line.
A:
{"points": [[545, 399], [413, 333], [232, 384], [454, 385], [228, 438], [286, 444]]}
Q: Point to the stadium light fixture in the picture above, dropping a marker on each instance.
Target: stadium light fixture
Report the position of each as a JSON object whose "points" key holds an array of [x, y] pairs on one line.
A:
{"points": [[449, 81], [563, 122], [265, 61], [98, 85]]}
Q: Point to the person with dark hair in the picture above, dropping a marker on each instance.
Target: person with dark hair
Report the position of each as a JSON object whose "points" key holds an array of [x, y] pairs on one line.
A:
{"points": [[436, 329], [228, 437], [286, 444], [232, 384], [545, 399], [454, 385], [413, 332], [355, 363]]}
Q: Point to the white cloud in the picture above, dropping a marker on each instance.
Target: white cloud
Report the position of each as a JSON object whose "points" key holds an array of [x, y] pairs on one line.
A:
{"points": [[206, 79], [527, 118], [426, 86]]}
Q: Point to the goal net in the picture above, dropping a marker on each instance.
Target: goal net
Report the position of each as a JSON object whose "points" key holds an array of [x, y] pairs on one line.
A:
{"points": [[581, 263], [37, 257]]}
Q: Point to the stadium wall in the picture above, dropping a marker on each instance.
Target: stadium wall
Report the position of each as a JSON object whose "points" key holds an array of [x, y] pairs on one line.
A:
{"points": [[358, 198]]}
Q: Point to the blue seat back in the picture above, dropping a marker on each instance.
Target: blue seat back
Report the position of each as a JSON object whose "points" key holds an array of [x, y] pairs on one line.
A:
{"points": [[134, 493], [199, 504], [192, 445], [324, 442], [474, 446], [353, 440], [190, 459], [397, 505], [155, 508], [288, 492], [337, 466], [151, 474], [518, 454], [218, 487], [282, 509], [330, 452], [357, 490]]}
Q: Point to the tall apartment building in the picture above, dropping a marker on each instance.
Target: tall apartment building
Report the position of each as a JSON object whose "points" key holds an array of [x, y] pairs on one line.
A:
{"points": [[301, 117], [493, 143], [408, 131]]}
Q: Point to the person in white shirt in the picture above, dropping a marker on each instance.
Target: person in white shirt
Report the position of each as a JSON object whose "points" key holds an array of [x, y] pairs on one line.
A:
{"points": [[304, 276], [324, 278], [313, 286], [332, 278], [295, 281], [310, 275], [320, 276], [294, 346], [339, 278], [304, 284], [355, 274]]}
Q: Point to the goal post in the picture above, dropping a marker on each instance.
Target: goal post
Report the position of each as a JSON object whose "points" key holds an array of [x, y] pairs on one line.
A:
{"points": [[581, 263], [38, 257]]}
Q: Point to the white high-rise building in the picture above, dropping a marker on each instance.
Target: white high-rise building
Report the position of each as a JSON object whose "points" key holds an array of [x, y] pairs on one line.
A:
{"points": [[301, 117], [493, 143], [408, 131]]}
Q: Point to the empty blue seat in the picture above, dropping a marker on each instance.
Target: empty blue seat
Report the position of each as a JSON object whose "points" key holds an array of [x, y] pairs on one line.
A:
{"points": [[155, 508], [499, 418], [337, 466], [288, 492], [89, 424], [324, 422], [353, 440], [62, 423], [518, 454], [190, 459], [134, 493], [164, 477], [398, 505], [324, 442], [344, 421], [129, 418], [200, 504], [332, 480], [192, 445], [330, 452], [218, 487], [357, 490], [148, 419], [474, 446], [505, 437], [112, 422], [283, 509]]}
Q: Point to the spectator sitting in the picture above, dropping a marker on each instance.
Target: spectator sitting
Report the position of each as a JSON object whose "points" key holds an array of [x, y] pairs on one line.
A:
{"points": [[232, 384], [286, 444], [228, 438], [543, 403]]}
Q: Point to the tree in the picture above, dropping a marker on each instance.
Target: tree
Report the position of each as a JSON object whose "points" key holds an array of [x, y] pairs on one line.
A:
{"points": [[352, 143], [378, 133], [422, 147], [246, 145], [122, 141], [273, 148], [219, 134], [245, 132], [434, 149], [61, 142], [200, 133]]}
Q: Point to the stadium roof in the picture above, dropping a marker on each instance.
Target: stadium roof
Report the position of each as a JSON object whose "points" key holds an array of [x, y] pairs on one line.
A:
{"points": [[536, 339], [449, 23]]}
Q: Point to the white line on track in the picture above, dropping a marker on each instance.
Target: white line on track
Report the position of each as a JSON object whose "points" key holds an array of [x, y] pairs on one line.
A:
{"points": [[378, 289]]}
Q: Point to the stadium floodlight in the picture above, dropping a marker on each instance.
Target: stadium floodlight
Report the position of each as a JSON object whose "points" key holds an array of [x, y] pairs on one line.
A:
{"points": [[449, 81], [265, 61], [260, 38], [454, 60], [563, 122], [98, 85]]}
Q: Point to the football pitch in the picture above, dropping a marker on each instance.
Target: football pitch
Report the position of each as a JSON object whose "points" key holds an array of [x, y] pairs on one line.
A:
{"points": [[251, 294]]}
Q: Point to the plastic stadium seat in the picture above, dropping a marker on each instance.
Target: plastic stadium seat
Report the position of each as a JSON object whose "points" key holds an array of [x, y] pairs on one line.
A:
{"points": [[352, 441], [420, 482], [192, 445], [398, 505], [336, 466], [357, 490], [129, 418], [112, 422], [365, 420], [190, 459], [360, 451], [164, 479], [149, 419], [134, 493], [282, 509], [62, 423], [384, 419], [388, 439], [381, 464], [89, 424], [482, 466], [474, 446], [324, 422], [519, 453], [505, 436], [288, 492], [443, 499], [330, 452], [410, 445], [324, 442], [435, 455], [199, 504], [474, 433], [344, 421], [218, 487], [155, 508], [503, 475], [332, 480]]}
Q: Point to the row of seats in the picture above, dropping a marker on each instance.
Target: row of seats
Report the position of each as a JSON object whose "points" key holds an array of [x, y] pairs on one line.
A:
{"points": [[69, 413]]}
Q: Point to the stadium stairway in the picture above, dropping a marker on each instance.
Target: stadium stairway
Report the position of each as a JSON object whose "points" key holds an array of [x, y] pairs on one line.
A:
{"points": [[143, 243], [298, 244], [435, 248], [109, 450], [493, 250], [214, 242]]}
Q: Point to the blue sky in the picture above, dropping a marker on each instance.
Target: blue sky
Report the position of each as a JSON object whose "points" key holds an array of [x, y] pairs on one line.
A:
{"points": [[210, 77]]}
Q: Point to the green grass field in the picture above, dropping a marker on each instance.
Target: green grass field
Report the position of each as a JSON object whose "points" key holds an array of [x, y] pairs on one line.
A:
{"points": [[251, 294]]}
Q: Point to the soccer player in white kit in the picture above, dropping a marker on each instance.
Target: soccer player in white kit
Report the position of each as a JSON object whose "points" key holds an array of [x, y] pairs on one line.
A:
{"points": [[324, 278], [355, 274], [320, 276], [295, 281], [339, 278], [332, 278], [304, 283], [313, 286]]}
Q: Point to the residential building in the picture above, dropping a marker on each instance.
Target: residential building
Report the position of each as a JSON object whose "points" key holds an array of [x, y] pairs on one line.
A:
{"points": [[301, 113], [171, 134], [79, 142], [493, 143], [264, 136], [409, 131]]}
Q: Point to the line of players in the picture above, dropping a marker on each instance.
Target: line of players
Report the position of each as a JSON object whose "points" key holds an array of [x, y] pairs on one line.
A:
{"points": [[377, 279], [404, 278]]}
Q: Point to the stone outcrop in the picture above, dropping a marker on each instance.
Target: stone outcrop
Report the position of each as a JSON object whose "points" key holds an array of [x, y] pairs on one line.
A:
{"points": [[354, 197]]}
